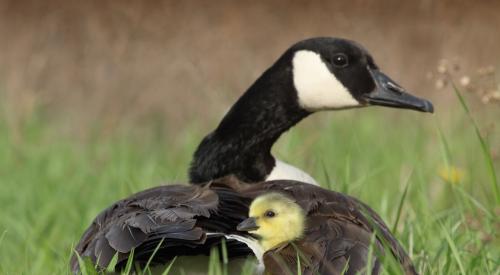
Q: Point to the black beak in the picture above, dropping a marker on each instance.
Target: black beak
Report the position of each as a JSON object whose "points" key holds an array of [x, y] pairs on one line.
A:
{"points": [[389, 93], [249, 224]]}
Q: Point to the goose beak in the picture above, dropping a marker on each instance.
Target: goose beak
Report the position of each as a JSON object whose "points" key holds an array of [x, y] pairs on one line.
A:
{"points": [[249, 224], [389, 93]]}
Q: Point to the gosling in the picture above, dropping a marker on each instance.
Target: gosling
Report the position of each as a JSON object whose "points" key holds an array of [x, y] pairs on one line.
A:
{"points": [[275, 221]]}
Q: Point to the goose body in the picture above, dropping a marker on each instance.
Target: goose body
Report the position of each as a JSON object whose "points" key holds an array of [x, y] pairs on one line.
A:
{"points": [[312, 75], [191, 219]]}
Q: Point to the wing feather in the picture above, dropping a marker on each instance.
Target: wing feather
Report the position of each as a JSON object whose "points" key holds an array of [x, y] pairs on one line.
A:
{"points": [[339, 227]]}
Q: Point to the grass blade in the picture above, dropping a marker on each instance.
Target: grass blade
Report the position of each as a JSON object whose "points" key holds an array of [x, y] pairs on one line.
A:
{"points": [[167, 270], [130, 262], [346, 267], [81, 264], [225, 259], [369, 261], [454, 250], [112, 263], [86, 266], [484, 146], [299, 268], [152, 256], [328, 180], [445, 147], [401, 202]]}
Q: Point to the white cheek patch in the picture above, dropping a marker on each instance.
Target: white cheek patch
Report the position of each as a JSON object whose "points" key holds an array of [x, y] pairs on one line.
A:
{"points": [[317, 87]]}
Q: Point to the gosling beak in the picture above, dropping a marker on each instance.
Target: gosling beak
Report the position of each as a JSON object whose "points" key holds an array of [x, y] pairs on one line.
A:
{"points": [[389, 93], [249, 224]]}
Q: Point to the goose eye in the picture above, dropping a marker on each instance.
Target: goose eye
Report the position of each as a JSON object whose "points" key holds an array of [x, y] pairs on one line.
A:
{"points": [[269, 214], [340, 60]]}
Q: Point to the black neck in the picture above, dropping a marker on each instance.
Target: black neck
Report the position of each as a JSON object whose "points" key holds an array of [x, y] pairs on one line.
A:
{"points": [[241, 144]]}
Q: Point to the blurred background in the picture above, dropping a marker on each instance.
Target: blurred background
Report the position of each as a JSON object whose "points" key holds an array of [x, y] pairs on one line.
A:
{"points": [[128, 61], [100, 99]]}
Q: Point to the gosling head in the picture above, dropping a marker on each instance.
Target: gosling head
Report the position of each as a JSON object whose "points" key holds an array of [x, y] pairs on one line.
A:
{"points": [[275, 219]]}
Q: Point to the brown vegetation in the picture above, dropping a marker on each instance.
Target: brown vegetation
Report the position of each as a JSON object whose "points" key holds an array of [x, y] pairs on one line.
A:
{"points": [[130, 60]]}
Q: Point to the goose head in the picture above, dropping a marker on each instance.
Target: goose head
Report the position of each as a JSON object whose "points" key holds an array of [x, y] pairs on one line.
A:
{"points": [[334, 73], [274, 219]]}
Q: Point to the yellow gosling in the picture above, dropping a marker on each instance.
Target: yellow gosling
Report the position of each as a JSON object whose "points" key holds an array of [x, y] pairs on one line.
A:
{"points": [[275, 219]]}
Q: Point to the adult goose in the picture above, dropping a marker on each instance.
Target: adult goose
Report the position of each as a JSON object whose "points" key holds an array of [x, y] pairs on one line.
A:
{"points": [[315, 74], [312, 75], [333, 233]]}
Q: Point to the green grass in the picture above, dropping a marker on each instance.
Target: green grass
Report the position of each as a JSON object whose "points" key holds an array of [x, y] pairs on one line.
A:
{"points": [[53, 184]]}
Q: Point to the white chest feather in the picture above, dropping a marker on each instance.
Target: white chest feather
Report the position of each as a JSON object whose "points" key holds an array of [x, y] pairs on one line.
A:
{"points": [[317, 87], [254, 245], [285, 171]]}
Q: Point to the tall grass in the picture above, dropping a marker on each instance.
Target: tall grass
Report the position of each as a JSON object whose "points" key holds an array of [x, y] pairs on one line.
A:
{"points": [[52, 185]]}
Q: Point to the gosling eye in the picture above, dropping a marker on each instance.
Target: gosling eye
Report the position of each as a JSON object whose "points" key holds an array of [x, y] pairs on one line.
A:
{"points": [[340, 60], [269, 214]]}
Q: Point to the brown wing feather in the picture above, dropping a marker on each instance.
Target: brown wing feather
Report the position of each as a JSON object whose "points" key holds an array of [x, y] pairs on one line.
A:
{"points": [[339, 227], [144, 219]]}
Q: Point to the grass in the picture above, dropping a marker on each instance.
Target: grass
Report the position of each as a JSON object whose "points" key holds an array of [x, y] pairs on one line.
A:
{"points": [[53, 184]]}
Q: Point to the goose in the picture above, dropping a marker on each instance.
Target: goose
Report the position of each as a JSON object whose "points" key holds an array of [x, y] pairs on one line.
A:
{"points": [[315, 74], [332, 231]]}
